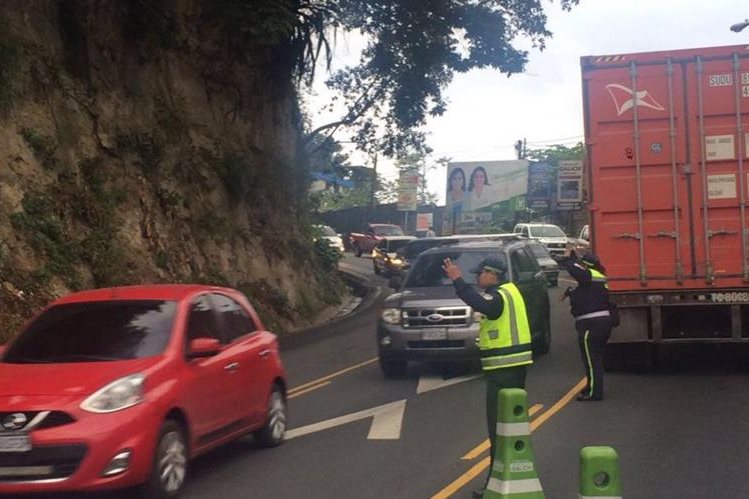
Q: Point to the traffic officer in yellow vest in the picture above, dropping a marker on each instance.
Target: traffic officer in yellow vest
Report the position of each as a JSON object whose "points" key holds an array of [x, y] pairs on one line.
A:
{"points": [[589, 304], [504, 333]]}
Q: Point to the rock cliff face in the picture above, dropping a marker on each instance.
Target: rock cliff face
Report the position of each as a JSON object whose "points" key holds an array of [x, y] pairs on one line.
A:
{"points": [[140, 143]]}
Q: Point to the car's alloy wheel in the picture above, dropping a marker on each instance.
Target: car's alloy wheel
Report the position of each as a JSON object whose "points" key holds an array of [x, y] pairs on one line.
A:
{"points": [[170, 463], [272, 434]]}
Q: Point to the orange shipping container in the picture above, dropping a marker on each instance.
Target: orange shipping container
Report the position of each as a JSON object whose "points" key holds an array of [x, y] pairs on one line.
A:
{"points": [[667, 138]]}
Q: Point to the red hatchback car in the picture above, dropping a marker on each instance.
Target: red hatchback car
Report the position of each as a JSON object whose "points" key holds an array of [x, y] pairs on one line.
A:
{"points": [[120, 387]]}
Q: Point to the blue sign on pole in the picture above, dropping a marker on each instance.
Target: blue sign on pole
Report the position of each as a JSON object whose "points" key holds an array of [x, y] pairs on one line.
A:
{"points": [[539, 185]]}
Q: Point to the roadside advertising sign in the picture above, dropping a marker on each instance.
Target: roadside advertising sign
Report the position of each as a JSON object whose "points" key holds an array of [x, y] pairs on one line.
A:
{"points": [[424, 221], [482, 192], [570, 182], [539, 185], [408, 188]]}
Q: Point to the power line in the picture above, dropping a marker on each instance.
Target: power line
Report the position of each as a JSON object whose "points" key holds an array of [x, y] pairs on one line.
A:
{"points": [[556, 141]]}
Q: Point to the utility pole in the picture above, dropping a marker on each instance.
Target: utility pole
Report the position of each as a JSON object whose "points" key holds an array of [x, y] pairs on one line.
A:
{"points": [[374, 187]]}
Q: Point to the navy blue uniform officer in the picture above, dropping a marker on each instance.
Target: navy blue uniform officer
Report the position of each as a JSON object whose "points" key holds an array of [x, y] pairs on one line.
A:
{"points": [[504, 333], [589, 305]]}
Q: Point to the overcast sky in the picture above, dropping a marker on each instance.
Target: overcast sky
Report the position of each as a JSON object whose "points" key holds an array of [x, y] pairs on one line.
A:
{"points": [[487, 112]]}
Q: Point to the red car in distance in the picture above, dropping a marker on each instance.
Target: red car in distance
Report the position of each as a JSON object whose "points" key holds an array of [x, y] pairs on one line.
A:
{"points": [[121, 387]]}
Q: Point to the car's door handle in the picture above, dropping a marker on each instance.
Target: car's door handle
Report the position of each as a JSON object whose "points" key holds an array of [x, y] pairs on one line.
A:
{"points": [[232, 367], [265, 353]]}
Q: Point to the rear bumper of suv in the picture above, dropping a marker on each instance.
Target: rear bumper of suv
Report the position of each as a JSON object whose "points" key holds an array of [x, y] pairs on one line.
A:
{"points": [[398, 343]]}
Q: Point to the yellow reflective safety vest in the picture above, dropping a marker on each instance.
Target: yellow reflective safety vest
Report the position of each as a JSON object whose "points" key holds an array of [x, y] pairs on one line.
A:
{"points": [[598, 277], [506, 341]]}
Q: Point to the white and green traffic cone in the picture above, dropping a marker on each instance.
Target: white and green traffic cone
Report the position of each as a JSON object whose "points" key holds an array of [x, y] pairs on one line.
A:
{"points": [[513, 474], [599, 473]]}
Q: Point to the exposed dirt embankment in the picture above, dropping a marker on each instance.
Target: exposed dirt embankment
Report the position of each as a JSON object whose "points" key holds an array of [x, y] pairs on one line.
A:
{"points": [[140, 143]]}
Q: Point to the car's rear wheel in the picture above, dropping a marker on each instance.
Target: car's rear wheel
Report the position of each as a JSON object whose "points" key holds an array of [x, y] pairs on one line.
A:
{"points": [[393, 368], [272, 434], [169, 470], [357, 250]]}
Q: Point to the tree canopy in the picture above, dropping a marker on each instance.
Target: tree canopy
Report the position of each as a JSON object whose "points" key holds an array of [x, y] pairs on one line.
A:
{"points": [[414, 49], [554, 153]]}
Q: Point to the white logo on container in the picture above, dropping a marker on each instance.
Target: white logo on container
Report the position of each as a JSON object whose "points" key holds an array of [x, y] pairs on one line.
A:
{"points": [[625, 98]]}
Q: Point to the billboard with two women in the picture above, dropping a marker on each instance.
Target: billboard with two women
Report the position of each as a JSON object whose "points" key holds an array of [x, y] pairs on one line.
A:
{"points": [[482, 194]]}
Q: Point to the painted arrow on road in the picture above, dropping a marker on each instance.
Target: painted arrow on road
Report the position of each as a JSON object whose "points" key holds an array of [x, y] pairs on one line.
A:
{"points": [[429, 383], [386, 423]]}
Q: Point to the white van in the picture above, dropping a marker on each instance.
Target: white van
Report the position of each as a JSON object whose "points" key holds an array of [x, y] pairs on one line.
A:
{"points": [[549, 235]]}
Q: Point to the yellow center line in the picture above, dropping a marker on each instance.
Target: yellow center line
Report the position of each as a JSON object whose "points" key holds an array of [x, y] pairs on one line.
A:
{"points": [[560, 403], [476, 469], [484, 446], [330, 376], [458, 484], [314, 387]]}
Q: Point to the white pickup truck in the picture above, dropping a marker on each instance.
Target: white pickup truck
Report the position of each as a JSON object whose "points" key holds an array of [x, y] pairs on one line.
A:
{"points": [[581, 244], [549, 235]]}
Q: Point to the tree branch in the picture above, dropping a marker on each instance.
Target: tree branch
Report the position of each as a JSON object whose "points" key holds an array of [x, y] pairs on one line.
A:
{"points": [[356, 112]]}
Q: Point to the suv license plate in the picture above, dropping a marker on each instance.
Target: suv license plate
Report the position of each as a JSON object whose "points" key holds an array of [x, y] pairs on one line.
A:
{"points": [[15, 443], [434, 335]]}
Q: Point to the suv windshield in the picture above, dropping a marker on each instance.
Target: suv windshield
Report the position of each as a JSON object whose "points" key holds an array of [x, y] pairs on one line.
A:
{"points": [[388, 230], [415, 248], [95, 331], [539, 250], [427, 271], [547, 231], [393, 246]]}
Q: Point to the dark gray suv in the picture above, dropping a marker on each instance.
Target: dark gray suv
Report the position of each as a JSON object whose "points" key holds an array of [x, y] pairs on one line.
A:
{"points": [[425, 320]]}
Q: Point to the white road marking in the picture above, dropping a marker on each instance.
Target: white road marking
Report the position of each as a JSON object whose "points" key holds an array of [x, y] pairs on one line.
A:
{"points": [[429, 383], [386, 423]]}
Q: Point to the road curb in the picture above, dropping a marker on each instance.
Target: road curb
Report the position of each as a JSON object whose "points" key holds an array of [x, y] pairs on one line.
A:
{"points": [[369, 292]]}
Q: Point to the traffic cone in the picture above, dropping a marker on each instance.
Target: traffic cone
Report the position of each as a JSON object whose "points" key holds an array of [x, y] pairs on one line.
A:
{"points": [[513, 473], [599, 473]]}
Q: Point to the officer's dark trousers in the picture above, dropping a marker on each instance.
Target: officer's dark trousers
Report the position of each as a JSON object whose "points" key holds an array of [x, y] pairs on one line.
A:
{"points": [[592, 335], [496, 379]]}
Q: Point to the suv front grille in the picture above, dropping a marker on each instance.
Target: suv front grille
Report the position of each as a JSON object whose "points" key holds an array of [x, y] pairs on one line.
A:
{"points": [[425, 344], [437, 317]]}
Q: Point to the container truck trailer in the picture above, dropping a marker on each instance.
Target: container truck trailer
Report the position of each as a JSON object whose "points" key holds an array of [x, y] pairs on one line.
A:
{"points": [[667, 144]]}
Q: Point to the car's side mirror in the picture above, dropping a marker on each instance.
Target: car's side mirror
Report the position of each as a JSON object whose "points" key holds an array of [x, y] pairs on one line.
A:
{"points": [[203, 347], [395, 282]]}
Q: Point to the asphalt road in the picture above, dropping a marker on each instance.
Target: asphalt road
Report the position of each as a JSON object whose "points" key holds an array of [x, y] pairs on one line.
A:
{"points": [[680, 431]]}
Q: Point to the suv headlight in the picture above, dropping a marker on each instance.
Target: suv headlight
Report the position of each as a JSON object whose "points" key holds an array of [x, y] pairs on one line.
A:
{"points": [[391, 315], [120, 394], [477, 316]]}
